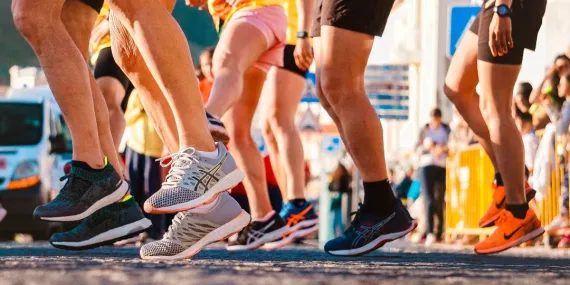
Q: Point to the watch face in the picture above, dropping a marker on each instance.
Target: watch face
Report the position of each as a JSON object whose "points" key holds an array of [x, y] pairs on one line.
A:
{"points": [[503, 10]]}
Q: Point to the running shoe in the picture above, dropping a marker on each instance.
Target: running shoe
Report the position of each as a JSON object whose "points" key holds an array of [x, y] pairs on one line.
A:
{"points": [[193, 180], [190, 231], [83, 194], [302, 221], [498, 204], [118, 221], [368, 233], [564, 242], [510, 232], [217, 129], [259, 233]]}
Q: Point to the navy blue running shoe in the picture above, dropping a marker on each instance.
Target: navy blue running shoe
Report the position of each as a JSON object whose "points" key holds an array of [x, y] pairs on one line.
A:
{"points": [[368, 233]]}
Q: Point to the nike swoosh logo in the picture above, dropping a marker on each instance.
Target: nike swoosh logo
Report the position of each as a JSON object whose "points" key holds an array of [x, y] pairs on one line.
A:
{"points": [[508, 237], [500, 204]]}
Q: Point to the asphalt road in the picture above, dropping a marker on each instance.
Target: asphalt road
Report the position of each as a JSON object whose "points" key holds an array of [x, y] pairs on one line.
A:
{"points": [[400, 263]]}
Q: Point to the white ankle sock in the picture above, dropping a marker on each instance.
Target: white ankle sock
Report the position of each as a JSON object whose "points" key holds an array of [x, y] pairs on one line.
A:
{"points": [[209, 154], [265, 218]]}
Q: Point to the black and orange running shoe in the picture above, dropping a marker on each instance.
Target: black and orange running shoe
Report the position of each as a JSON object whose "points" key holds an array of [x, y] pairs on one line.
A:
{"points": [[498, 204], [510, 232], [302, 222]]}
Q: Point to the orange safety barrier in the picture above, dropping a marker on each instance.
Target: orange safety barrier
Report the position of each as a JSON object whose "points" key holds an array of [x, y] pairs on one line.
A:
{"points": [[469, 193]]}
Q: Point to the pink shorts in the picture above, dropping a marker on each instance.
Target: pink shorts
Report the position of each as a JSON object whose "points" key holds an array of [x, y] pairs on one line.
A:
{"points": [[272, 22]]}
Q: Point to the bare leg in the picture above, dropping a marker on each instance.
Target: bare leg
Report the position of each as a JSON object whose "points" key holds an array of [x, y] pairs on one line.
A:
{"points": [[275, 158], [460, 83], [285, 90], [231, 60], [166, 54], [79, 19], [40, 23], [342, 82], [128, 57], [238, 122], [114, 92], [497, 82]]}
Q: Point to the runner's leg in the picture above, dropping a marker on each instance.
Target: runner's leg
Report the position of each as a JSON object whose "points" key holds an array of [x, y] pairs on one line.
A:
{"points": [[284, 90], [78, 19], [40, 23], [165, 51]]}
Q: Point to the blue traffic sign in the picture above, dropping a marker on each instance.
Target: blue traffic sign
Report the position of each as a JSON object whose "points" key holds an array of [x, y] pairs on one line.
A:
{"points": [[460, 19]]}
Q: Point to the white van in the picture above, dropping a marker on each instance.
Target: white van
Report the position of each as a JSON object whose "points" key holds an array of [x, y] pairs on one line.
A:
{"points": [[34, 147]]}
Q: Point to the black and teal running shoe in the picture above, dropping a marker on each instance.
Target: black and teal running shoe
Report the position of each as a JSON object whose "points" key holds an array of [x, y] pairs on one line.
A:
{"points": [[84, 193], [115, 222], [368, 233]]}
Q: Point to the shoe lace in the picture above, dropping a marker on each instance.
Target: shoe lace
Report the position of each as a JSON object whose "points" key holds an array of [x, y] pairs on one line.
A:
{"points": [[180, 162], [67, 191], [355, 224], [175, 225], [503, 217]]}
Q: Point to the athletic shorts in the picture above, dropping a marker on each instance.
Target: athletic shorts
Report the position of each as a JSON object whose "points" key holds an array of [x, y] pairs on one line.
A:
{"points": [[289, 61], [271, 21], [95, 4], [106, 66], [526, 21], [363, 16]]}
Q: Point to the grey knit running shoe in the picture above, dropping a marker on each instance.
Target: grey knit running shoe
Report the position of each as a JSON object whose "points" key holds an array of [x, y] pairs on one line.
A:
{"points": [[115, 222], [193, 180], [190, 231], [84, 193]]}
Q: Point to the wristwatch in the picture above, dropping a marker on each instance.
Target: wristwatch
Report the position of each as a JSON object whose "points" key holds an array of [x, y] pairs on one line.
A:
{"points": [[302, 35], [503, 10]]}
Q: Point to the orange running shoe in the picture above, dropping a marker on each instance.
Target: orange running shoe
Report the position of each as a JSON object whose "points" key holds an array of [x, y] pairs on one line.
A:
{"points": [[492, 214], [510, 232]]}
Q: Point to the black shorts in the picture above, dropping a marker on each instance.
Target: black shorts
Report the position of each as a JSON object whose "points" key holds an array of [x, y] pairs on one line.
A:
{"points": [[289, 61], [363, 16], [106, 66], [526, 21], [95, 4]]}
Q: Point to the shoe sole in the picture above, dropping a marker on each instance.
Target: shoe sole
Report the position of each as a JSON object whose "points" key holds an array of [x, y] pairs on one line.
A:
{"points": [[491, 222], [227, 182], [375, 244], [530, 236], [267, 238], [107, 238], [294, 235], [232, 227], [102, 203]]}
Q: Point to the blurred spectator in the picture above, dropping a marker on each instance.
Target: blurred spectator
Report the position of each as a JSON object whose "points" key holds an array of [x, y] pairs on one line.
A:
{"points": [[530, 140], [432, 146], [403, 187], [339, 184], [207, 78], [144, 147], [461, 136], [391, 179], [521, 99]]}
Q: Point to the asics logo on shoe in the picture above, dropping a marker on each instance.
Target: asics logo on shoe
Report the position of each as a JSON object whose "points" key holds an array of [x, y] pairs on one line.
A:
{"points": [[296, 218], [500, 204], [208, 176], [255, 235], [370, 233], [508, 237]]}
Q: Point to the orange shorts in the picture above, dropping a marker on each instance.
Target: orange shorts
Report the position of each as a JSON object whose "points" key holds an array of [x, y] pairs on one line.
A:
{"points": [[272, 22]]}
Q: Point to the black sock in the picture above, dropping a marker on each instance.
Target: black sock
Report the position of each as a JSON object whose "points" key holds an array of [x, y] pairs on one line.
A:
{"points": [[378, 198], [298, 202], [518, 210], [83, 165], [499, 179]]}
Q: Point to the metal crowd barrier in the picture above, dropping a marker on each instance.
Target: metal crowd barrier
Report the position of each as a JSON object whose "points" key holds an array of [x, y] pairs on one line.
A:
{"points": [[469, 193]]}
